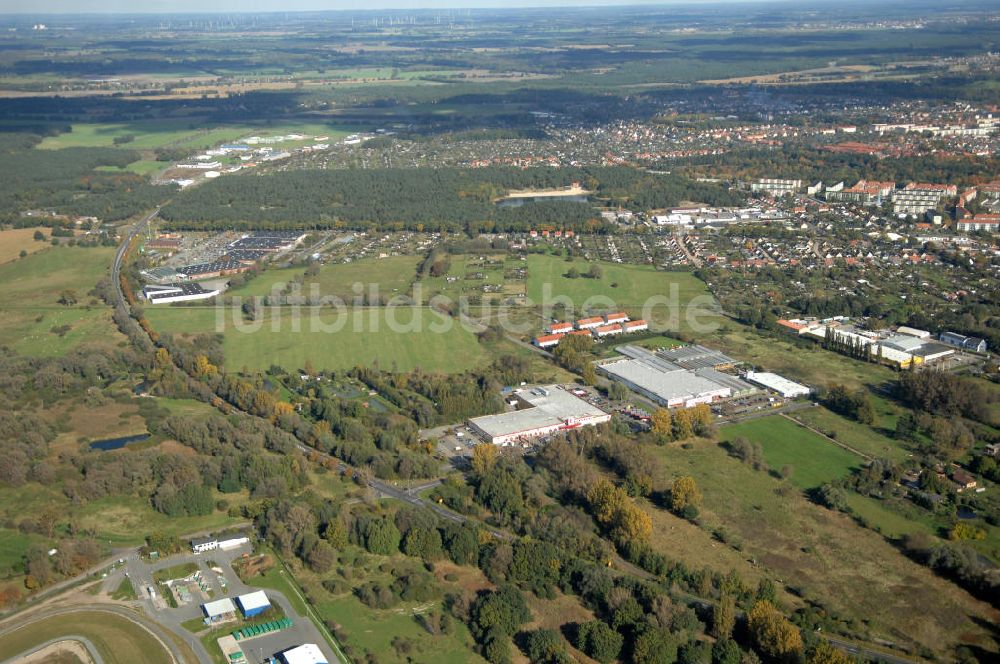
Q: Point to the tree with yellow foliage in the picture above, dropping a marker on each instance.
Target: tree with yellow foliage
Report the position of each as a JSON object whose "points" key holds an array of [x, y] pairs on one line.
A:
{"points": [[283, 408], [484, 459], [824, 653], [663, 424], [614, 509], [773, 634], [683, 424], [685, 493], [203, 368]]}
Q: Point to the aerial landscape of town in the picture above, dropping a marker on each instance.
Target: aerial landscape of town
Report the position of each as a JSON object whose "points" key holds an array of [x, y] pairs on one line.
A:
{"points": [[527, 334]]}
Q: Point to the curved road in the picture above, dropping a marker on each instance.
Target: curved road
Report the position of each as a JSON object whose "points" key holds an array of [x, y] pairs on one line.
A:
{"points": [[169, 646], [414, 499]]}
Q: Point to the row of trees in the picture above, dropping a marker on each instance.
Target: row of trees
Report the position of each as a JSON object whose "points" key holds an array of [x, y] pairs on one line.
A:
{"points": [[682, 423]]}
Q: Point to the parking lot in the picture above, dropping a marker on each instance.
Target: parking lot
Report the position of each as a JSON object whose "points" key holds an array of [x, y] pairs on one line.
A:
{"points": [[216, 575]]}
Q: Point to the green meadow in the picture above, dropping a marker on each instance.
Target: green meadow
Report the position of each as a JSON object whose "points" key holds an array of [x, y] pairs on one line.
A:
{"points": [[812, 459], [34, 322], [334, 341]]}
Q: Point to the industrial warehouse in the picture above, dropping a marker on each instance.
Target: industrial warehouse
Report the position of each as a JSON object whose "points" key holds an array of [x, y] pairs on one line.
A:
{"points": [[680, 377], [906, 347], [536, 412]]}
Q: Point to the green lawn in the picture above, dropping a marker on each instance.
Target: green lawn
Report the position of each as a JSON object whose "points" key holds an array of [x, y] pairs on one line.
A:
{"points": [[277, 579], [809, 364], [176, 572], [149, 135], [120, 520], [813, 459], [373, 630], [859, 436], [153, 134], [30, 301], [117, 639], [140, 167], [125, 591], [675, 300], [455, 283], [185, 407], [367, 336], [390, 276], [13, 545]]}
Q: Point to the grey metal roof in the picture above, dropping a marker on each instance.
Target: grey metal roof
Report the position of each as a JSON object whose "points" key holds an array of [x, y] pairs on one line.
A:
{"points": [[553, 407]]}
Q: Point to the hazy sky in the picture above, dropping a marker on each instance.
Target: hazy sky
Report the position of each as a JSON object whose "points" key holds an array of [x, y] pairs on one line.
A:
{"points": [[182, 6]]}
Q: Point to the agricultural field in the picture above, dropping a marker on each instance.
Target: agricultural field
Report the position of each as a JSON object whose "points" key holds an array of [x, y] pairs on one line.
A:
{"points": [[673, 296], [140, 167], [365, 338], [118, 640], [854, 434], [392, 276], [34, 322], [148, 135], [824, 555], [812, 459], [469, 275], [182, 134], [15, 240]]}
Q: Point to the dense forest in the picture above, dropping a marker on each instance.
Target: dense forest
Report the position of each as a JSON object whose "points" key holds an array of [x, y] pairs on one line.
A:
{"points": [[439, 199], [68, 182], [814, 165]]}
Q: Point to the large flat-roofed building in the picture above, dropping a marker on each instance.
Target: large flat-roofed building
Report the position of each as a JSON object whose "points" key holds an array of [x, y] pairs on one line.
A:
{"points": [[661, 378], [219, 268], [925, 349], [775, 186], [913, 332], [254, 603], [695, 356], [772, 381], [540, 411], [962, 341], [307, 653], [866, 192], [668, 388]]}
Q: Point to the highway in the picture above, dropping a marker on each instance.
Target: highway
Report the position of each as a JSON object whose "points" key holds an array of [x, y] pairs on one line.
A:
{"points": [[116, 267]]}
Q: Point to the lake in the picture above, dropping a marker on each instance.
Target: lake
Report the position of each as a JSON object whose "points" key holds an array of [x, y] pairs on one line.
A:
{"points": [[117, 443], [518, 201]]}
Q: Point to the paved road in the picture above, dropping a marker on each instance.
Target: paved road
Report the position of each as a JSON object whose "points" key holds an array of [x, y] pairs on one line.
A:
{"points": [[258, 649], [406, 496], [853, 648], [116, 267]]}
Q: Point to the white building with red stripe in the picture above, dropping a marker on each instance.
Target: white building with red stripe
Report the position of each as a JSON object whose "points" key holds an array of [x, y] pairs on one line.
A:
{"points": [[635, 326], [607, 330], [548, 340], [618, 317], [589, 323], [560, 328]]}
